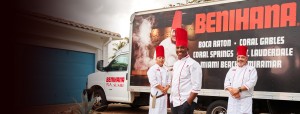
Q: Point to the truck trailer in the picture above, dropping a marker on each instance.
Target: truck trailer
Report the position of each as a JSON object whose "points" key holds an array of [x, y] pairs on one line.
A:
{"points": [[270, 29]]}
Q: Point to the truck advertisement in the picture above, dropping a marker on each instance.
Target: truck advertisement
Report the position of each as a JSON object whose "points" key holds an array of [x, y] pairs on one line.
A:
{"points": [[270, 29]]}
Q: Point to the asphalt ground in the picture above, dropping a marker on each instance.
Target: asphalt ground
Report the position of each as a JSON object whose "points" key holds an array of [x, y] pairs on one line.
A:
{"points": [[126, 109], [70, 109]]}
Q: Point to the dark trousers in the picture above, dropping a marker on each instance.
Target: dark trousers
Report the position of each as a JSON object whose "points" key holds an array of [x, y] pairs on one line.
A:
{"points": [[185, 108]]}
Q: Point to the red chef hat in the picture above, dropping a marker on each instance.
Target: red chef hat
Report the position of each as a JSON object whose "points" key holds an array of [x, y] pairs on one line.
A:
{"points": [[242, 50], [160, 51], [181, 37], [177, 20]]}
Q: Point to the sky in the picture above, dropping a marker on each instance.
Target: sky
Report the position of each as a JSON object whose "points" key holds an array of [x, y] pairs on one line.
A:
{"points": [[111, 15]]}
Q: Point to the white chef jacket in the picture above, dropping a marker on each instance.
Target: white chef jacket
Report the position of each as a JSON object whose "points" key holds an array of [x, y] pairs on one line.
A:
{"points": [[170, 54], [187, 78], [236, 77], [158, 76]]}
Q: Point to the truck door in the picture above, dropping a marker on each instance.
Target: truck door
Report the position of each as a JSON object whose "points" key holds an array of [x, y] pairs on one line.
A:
{"points": [[116, 79]]}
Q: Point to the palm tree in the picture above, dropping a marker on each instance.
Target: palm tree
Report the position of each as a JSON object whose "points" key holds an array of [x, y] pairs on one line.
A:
{"points": [[119, 45], [127, 39], [195, 1], [187, 2]]}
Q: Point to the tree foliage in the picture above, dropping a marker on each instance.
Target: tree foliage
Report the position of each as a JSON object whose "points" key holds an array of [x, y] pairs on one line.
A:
{"points": [[119, 45], [188, 2]]}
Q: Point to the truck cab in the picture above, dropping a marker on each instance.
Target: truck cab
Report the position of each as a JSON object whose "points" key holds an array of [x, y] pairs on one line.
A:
{"points": [[109, 84]]}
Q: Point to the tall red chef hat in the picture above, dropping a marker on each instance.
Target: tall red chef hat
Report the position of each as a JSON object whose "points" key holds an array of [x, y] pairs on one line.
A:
{"points": [[177, 20], [160, 52], [181, 37], [242, 50]]}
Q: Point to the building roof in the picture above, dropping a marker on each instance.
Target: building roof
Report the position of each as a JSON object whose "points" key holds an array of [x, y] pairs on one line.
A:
{"points": [[72, 23]]}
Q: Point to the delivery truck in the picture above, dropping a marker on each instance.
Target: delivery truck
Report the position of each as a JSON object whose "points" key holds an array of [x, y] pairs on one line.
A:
{"points": [[270, 29]]}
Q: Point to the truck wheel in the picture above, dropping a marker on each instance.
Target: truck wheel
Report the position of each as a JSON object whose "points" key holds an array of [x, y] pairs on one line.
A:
{"points": [[217, 107], [100, 103]]}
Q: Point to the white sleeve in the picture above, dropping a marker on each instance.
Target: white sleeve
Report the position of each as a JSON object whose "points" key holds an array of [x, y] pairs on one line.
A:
{"points": [[152, 78], [227, 81], [196, 77], [252, 79], [169, 75]]}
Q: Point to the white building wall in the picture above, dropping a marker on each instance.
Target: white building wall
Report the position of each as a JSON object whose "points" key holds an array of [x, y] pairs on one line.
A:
{"points": [[46, 33]]}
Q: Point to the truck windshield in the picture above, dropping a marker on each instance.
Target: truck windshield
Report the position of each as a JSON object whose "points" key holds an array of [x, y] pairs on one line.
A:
{"points": [[120, 63]]}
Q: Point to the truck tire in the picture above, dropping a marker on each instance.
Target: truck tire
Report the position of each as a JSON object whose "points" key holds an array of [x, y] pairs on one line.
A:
{"points": [[217, 107], [100, 103]]}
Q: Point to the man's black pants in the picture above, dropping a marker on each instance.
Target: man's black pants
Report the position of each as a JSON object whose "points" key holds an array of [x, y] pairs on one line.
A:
{"points": [[185, 108]]}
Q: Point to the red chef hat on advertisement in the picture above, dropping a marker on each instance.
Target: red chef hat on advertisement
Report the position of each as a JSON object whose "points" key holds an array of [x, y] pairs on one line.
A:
{"points": [[160, 52], [177, 20], [242, 50], [181, 37]]}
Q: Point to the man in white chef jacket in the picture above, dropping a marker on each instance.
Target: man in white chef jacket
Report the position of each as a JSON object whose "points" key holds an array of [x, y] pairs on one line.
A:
{"points": [[239, 82], [160, 83], [186, 79]]}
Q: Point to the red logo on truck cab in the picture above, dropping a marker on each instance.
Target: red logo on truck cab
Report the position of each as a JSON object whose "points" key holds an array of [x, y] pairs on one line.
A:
{"points": [[115, 81]]}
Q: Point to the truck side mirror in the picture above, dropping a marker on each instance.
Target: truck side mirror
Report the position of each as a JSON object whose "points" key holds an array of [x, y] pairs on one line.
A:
{"points": [[100, 65]]}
